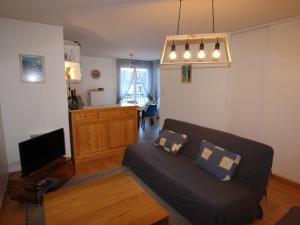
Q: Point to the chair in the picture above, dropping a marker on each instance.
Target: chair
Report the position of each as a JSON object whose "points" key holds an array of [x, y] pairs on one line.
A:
{"points": [[151, 113]]}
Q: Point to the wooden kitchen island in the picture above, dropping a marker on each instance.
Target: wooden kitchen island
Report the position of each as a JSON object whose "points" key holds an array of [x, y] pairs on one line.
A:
{"points": [[97, 132]]}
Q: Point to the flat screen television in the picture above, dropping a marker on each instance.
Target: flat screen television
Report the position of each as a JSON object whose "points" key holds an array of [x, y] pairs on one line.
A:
{"points": [[38, 151]]}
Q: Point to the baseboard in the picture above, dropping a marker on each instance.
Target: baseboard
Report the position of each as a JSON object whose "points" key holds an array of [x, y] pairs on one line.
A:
{"points": [[286, 181], [2, 195], [15, 166]]}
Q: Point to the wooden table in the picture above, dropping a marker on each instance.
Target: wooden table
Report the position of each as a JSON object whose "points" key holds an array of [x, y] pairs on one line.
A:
{"points": [[113, 200]]}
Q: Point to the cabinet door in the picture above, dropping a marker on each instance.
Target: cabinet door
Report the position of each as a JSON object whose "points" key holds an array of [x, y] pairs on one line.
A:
{"points": [[123, 132], [86, 139], [131, 131], [103, 137], [117, 133], [92, 138]]}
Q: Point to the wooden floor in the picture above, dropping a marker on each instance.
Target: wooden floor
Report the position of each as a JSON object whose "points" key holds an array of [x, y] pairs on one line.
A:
{"points": [[13, 213], [281, 196]]}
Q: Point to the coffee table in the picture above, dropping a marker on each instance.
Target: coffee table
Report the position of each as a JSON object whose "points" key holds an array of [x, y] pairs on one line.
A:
{"points": [[112, 200]]}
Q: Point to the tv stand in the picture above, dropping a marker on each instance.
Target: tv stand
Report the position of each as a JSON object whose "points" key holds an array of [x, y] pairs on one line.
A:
{"points": [[48, 178]]}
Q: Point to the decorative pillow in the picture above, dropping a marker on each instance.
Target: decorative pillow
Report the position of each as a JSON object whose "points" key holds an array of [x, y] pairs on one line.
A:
{"points": [[217, 161], [171, 141]]}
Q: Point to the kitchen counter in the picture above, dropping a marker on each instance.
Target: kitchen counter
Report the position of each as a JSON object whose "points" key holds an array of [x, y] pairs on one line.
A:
{"points": [[98, 131], [99, 107]]}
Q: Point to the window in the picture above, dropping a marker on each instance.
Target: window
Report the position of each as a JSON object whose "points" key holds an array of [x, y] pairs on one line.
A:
{"points": [[137, 83]]}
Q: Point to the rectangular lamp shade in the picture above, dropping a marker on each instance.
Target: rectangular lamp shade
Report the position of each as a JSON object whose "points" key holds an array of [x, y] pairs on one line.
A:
{"points": [[194, 40]]}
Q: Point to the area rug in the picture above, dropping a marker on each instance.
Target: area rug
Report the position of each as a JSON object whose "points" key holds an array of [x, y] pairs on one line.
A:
{"points": [[34, 214]]}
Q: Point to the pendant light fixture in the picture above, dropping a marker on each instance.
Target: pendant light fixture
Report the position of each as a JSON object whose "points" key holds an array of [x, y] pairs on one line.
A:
{"points": [[131, 64], [173, 54], [216, 53], [187, 54], [218, 42], [201, 54]]}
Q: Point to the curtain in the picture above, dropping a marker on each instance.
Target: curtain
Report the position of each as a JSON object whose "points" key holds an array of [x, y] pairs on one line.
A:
{"points": [[145, 74], [124, 79], [156, 81]]}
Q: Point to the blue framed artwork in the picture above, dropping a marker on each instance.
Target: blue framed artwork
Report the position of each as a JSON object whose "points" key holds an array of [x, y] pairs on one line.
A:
{"points": [[32, 68], [186, 74]]}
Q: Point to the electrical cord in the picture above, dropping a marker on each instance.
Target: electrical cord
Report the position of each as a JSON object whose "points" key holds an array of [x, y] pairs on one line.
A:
{"points": [[179, 16]]}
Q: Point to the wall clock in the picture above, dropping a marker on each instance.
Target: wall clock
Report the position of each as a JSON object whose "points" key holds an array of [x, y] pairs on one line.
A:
{"points": [[95, 74]]}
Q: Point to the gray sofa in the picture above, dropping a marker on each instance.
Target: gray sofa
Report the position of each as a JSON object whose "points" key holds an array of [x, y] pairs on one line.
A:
{"points": [[200, 197]]}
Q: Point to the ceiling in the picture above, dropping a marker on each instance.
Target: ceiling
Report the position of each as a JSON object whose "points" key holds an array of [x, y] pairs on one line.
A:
{"points": [[116, 28]]}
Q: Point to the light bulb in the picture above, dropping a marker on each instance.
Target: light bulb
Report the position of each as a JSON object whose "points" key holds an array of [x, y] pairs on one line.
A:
{"points": [[173, 54], [201, 54], [216, 53], [187, 55]]}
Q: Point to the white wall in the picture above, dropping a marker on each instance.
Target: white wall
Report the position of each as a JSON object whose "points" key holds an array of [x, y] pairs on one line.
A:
{"points": [[3, 163], [247, 75], [202, 102], [281, 121], [258, 98], [31, 108], [108, 79]]}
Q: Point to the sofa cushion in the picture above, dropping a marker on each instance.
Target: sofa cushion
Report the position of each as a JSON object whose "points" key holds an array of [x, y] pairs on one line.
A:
{"points": [[217, 161], [199, 196], [171, 141]]}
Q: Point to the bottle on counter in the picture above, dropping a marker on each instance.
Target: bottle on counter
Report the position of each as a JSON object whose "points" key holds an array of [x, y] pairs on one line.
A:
{"points": [[73, 102]]}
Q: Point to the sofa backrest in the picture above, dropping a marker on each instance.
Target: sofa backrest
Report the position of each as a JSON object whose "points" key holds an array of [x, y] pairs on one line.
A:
{"points": [[255, 166]]}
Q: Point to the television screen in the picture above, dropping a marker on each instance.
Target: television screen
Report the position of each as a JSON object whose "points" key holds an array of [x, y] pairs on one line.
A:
{"points": [[38, 151]]}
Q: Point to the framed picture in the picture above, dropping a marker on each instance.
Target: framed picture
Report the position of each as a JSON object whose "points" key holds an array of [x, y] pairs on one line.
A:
{"points": [[186, 74], [32, 68]]}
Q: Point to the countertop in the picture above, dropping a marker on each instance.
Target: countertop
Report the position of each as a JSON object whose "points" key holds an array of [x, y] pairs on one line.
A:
{"points": [[87, 108]]}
